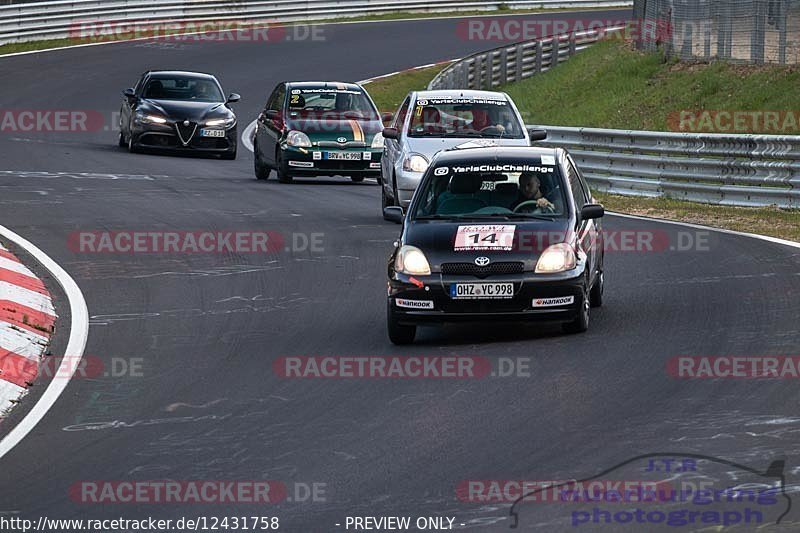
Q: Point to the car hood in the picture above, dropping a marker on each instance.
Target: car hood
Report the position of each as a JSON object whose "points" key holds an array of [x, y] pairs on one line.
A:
{"points": [[428, 146], [181, 110], [327, 129], [437, 240]]}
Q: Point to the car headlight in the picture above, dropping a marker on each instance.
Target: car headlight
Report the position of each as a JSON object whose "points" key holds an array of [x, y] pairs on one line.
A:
{"points": [[298, 139], [377, 141], [227, 122], [150, 119], [410, 260], [415, 163], [557, 258]]}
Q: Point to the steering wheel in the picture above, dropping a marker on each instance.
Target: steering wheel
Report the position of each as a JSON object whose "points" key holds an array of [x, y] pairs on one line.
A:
{"points": [[534, 203], [494, 127]]}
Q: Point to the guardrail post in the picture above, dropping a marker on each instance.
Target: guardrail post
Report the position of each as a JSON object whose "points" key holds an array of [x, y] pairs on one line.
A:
{"points": [[572, 45], [519, 59], [504, 66], [539, 52]]}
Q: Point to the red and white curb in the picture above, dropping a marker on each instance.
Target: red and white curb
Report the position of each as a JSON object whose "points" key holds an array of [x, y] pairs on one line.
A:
{"points": [[40, 302], [27, 317]]}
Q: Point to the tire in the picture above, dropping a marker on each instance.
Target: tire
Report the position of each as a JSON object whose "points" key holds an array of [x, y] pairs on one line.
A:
{"points": [[132, 148], [384, 202], [581, 323], [261, 170], [282, 169], [400, 335], [121, 141], [229, 156], [596, 294], [357, 179]]}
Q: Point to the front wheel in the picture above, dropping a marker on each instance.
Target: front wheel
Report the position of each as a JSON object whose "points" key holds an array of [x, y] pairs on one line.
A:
{"points": [[581, 322], [229, 156], [596, 294], [400, 334], [121, 141], [357, 179], [132, 148]]}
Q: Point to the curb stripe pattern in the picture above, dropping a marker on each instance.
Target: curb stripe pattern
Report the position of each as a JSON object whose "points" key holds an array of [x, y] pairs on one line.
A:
{"points": [[27, 317]]}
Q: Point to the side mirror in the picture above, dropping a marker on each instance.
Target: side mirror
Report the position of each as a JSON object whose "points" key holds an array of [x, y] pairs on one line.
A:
{"points": [[233, 98], [130, 94], [536, 134], [394, 214], [591, 211], [386, 117], [391, 133], [271, 114]]}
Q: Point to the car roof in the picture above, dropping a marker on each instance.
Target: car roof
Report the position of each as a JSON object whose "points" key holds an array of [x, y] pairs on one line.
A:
{"points": [[167, 73], [496, 153], [462, 93], [317, 84]]}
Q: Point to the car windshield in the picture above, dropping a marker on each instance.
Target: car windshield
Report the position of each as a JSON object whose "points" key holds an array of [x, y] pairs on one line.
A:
{"points": [[498, 190], [464, 117], [332, 103], [183, 88]]}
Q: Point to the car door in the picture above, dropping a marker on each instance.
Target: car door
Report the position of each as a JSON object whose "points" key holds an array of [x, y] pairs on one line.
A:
{"points": [[587, 230], [392, 147], [128, 107], [269, 130]]}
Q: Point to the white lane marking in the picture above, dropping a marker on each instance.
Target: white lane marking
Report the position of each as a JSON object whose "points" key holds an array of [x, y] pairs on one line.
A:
{"points": [[78, 335], [247, 135], [319, 23], [774, 240]]}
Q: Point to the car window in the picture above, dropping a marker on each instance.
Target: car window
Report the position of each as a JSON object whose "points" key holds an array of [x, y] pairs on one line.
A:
{"points": [[518, 188], [139, 86], [465, 117], [275, 101], [400, 118], [575, 184], [182, 88], [331, 102]]}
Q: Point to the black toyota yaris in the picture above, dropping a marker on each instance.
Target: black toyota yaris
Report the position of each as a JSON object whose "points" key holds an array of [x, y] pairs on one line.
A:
{"points": [[492, 233]]}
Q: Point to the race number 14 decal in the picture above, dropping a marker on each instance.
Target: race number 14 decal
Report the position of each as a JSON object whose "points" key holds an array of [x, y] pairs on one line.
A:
{"points": [[485, 237]]}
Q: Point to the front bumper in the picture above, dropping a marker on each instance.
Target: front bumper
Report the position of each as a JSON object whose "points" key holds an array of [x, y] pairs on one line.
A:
{"points": [[165, 137], [431, 303], [315, 162]]}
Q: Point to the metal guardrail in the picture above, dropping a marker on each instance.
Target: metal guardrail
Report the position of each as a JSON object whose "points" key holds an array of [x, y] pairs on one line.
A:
{"points": [[60, 19], [737, 170], [515, 62]]}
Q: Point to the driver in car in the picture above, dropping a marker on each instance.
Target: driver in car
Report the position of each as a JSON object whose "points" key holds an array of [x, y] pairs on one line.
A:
{"points": [[530, 190], [482, 119]]}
